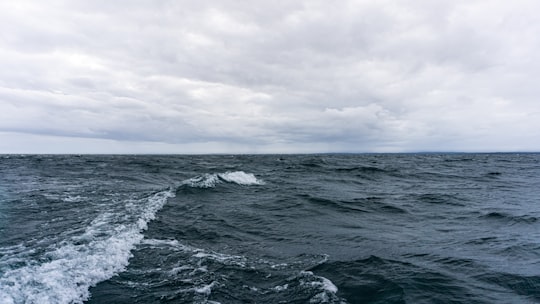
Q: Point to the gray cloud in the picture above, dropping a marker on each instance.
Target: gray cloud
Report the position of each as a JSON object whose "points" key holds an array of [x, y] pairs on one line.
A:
{"points": [[280, 76]]}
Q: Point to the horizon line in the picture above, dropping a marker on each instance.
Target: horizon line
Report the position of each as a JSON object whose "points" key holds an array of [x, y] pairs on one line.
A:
{"points": [[284, 153]]}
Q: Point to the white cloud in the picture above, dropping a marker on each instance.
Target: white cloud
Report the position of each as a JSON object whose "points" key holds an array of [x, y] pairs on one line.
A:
{"points": [[312, 76]]}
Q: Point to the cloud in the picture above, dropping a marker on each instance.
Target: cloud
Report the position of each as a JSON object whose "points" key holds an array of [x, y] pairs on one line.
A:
{"points": [[302, 76]]}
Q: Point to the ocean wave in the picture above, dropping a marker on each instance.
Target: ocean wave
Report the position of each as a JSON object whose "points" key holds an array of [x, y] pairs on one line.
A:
{"points": [[526, 286], [377, 280], [197, 253], [211, 180], [74, 199], [191, 274], [364, 169], [314, 163], [328, 291], [69, 269], [334, 204], [360, 205], [205, 274], [509, 218], [439, 198]]}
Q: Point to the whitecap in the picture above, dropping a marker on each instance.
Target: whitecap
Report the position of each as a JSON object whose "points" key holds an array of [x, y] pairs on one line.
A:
{"points": [[206, 289], [325, 284], [327, 290], [241, 178], [74, 199], [281, 287], [211, 180], [203, 181]]}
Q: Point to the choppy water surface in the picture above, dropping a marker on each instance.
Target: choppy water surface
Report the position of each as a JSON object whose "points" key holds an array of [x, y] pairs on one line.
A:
{"points": [[390, 228]]}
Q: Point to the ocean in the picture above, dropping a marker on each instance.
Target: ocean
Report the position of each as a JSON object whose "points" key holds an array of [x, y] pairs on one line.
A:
{"points": [[336, 228]]}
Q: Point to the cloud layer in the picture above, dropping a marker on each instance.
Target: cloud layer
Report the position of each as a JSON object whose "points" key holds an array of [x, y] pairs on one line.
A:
{"points": [[268, 76]]}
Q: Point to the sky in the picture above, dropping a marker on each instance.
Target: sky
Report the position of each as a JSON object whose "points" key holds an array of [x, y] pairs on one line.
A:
{"points": [[276, 76]]}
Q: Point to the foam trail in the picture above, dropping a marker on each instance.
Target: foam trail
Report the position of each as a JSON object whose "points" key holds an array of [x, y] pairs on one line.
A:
{"points": [[72, 267]]}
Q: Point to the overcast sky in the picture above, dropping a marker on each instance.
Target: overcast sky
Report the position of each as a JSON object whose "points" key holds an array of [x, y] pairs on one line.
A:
{"points": [[269, 76]]}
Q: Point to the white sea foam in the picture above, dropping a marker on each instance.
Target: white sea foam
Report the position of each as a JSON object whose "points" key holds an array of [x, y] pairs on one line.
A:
{"points": [[222, 258], [211, 180], [203, 181], [157, 243], [241, 178], [318, 281], [325, 284], [72, 268], [198, 253], [206, 289], [327, 289], [176, 270], [74, 199], [202, 269], [281, 287]]}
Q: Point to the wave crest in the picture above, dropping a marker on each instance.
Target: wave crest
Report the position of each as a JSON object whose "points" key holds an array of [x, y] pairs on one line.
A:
{"points": [[211, 180]]}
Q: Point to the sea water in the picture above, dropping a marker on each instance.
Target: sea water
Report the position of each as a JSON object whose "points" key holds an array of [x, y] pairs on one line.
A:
{"points": [[342, 228]]}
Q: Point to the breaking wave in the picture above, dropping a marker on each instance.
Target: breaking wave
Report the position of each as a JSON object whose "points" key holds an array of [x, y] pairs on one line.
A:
{"points": [[211, 180], [65, 271]]}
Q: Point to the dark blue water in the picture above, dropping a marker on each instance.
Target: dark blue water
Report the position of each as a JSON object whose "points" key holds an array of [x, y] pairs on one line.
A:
{"points": [[389, 228]]}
